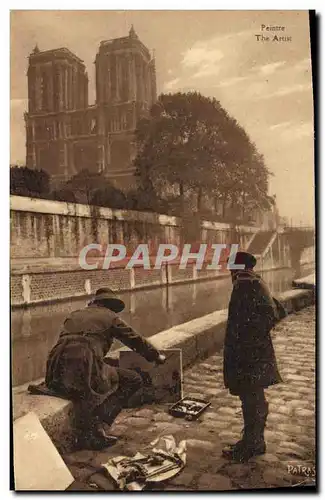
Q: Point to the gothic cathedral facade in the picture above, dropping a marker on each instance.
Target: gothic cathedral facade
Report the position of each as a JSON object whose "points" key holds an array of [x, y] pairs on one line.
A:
{"points": [[65, 135]]}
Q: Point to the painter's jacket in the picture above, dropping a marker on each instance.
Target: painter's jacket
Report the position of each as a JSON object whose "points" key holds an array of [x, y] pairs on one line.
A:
{"points": [[76, 367], [249, 358]]}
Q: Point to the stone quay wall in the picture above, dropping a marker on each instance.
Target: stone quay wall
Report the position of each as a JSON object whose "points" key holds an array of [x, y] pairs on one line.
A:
{"points": [[39, 287], [47, 229], [47, 236]]}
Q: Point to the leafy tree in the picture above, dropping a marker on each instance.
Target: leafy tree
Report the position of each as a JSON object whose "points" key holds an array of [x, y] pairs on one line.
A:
{"points": [[91, 188], [177, 144], [84, 184], [109, 196], [25, 181], [190, 144], [64, 195]]}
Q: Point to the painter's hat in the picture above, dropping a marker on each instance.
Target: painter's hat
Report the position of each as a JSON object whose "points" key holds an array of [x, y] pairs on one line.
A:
{"points": [[110, 299]]}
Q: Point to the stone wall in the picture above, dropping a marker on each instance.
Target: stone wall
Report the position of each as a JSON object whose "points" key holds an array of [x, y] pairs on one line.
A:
{"points": [[39, 287], [308, 255], [57, 231], [45, 229]]}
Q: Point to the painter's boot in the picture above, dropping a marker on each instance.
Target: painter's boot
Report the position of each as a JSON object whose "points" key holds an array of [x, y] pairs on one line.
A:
{"points": [[244, 450], [253, 443], [95, 439], [227, 450]]}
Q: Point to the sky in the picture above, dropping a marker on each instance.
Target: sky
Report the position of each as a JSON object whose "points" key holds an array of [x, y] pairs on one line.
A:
{"points": [[265, 85]]}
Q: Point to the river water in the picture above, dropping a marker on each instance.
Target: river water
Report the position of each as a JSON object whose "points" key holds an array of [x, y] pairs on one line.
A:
{"points": [[35, 330]]}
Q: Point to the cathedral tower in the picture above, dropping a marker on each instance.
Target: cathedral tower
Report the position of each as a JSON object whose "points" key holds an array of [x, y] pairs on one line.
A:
{"points": [[65, 135], [125, 90], [57, 84], [57, 81], [125, 72]]}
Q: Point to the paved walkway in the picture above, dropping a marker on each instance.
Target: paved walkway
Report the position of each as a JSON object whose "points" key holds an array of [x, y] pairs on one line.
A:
{"points": [[290, 433]]}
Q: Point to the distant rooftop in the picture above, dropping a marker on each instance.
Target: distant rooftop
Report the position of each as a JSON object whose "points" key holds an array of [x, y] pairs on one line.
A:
{"points": [[37, 53], [125, 39], [132, 34], [62, 50]]}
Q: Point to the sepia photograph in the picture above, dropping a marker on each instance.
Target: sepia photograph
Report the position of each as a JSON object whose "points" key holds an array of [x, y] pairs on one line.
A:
{"points": [[162, 250]]}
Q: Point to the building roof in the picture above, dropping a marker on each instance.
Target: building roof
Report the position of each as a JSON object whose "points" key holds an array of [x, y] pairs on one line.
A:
{"points": [[60, 51], [125, 42]]}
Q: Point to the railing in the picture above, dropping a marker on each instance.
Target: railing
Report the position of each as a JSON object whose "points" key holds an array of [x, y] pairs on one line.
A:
{"points": [[299, 228]]}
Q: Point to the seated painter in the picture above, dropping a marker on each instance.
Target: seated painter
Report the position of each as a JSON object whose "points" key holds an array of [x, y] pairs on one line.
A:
{"points": [[76, 367]]}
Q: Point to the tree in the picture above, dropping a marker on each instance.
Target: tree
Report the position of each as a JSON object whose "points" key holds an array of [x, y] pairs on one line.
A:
{"points": [[25, 181], [243, 180], [109, 196], [146, 200], [191, 144], [177, 144], [84, 184], [64, 195], [91, 188]]}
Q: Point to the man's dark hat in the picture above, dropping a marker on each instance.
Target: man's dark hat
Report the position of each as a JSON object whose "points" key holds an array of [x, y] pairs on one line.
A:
{"points": [[246, 259], [110, 299]]}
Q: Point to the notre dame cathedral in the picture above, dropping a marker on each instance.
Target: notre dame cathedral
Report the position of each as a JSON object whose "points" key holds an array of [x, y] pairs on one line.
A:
{"points": [[65, 135]]}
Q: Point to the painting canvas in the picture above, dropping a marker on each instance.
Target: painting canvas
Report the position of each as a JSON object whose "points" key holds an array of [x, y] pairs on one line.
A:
{"points": [[163, 382]]}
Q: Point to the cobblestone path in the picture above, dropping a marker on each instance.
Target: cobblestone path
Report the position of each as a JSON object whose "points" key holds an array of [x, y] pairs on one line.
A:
{"points": [[290, 432]]}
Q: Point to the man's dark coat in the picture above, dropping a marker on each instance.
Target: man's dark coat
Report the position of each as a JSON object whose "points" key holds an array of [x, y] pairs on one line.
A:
{"points": [[249, 358], [76, 367]]}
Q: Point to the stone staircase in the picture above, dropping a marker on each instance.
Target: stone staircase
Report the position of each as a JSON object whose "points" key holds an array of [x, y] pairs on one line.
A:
{"points": [[260, 246], [260, 242]]}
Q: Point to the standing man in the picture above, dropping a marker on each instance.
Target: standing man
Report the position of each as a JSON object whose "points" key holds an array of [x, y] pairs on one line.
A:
{"points": [[249, 359], [76, 367]]}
